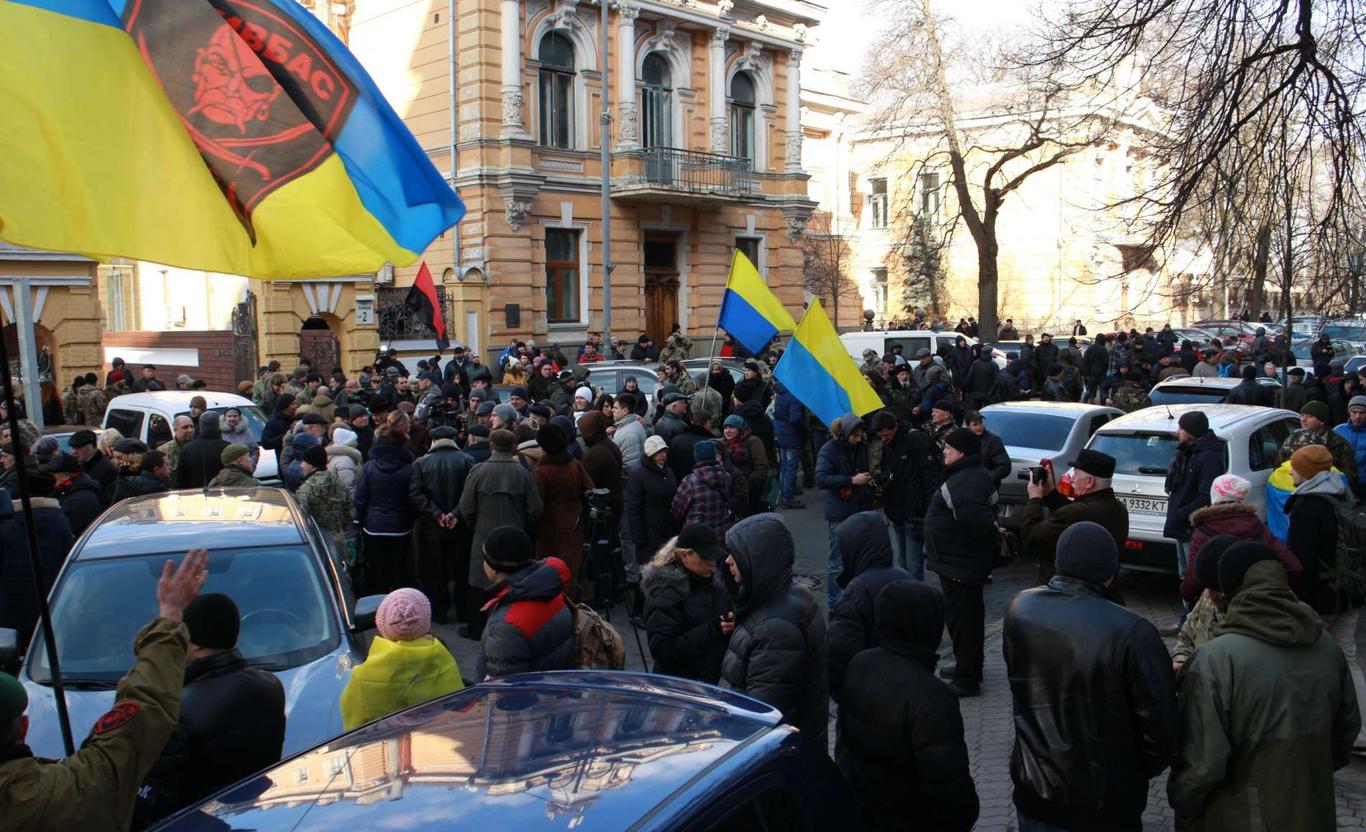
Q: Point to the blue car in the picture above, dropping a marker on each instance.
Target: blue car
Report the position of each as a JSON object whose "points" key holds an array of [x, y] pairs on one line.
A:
{"points": [[299, 619], [567, 750]]}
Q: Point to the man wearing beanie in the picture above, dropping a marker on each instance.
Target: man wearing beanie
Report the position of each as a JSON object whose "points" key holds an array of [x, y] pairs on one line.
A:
{"points": [[1320, 503], [1315, 424], [1268, 709], [530, 621], [1072, 653], [232, 717], [1353, 431], [324, 497], [497, 493], [443, 544], [1200, 457], [237, 469], [703, 497], [960, 544]]}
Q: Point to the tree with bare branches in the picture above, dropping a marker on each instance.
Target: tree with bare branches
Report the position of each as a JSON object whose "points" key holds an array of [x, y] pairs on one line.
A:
{"points": [[826, 257]]}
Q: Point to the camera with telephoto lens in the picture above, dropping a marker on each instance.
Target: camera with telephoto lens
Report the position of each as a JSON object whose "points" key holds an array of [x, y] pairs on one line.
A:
{"points": [[1035, 474], [599, 504]]}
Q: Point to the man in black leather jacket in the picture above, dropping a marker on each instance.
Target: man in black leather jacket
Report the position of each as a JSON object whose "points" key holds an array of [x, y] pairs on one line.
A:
{"points": [[232, 717], [1093, 691], [443, 545]]}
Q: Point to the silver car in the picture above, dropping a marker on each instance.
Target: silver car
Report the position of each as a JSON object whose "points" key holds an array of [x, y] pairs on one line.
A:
{"points": [[1035, 431], [299, 619]]}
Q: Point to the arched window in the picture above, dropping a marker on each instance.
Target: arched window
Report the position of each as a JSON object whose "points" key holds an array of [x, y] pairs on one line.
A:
{"points": [[741, 102], [556, 54], [656, 102]]}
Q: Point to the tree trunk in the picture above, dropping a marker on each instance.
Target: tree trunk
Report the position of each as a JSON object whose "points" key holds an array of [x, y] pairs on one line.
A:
{"points": [[1261, 253]]}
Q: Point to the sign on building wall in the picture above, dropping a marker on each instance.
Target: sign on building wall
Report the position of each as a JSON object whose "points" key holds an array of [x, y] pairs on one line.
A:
{"points": [[365, 310]]}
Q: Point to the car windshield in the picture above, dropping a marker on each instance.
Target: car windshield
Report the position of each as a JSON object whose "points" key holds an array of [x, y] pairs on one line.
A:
{"points": [[1345, 331], [251, 415], [1137, 453], [1187, 394], [100, 605], [1024, 429]]}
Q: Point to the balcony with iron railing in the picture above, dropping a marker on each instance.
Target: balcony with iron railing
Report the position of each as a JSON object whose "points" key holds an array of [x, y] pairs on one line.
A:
{"points": [[675, 176], [396, 322]]}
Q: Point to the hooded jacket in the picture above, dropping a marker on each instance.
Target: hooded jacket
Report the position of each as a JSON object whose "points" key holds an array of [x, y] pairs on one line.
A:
{"points": [[1240, 520], [398, 675], [530, 622], [916, 464], [1268, 713], [900, 739], [201, 458], [1356, 437], [81, 502], [1094, 702], [381, 500], [1193, 470], [1312, 537], [960, 539], [866, 549], [683, 614], [836, 465], [603, 460], [777, 652], [345, 461]]}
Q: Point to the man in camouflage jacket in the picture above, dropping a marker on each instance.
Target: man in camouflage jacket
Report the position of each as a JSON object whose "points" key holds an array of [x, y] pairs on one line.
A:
{"points": [[324, 497]]}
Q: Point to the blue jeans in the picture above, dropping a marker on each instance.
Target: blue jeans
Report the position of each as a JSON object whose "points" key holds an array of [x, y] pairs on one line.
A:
{"points": [[908, 548], [834, 565], [1183, 551], [788, 461]]}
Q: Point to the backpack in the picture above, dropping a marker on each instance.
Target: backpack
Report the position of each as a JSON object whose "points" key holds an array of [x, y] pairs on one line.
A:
{"points": [[1346, 573], [597, 644]]}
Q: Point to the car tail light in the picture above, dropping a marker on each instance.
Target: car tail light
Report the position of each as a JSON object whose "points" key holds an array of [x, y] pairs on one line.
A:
{"points": [[1133, 544]]}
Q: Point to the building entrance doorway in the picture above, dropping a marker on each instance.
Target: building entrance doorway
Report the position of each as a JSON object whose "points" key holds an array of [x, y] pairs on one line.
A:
{"points": [[319, 345], [661, 286]]}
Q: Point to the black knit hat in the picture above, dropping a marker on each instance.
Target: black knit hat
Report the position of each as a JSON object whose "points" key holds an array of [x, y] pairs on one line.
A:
{"points": [[213, 621], [964, 440], [1237, 559], [315, 456], [552, 439], [1207, 560], [507, 549]]}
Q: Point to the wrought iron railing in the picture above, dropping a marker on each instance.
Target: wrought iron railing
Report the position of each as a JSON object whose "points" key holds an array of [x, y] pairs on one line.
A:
{"points": [[397, 323], [694, 171]]}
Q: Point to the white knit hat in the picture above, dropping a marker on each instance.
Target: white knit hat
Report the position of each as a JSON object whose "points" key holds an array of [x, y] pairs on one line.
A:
{"points": [[584, 393], [342, 436], [1229, 488]]}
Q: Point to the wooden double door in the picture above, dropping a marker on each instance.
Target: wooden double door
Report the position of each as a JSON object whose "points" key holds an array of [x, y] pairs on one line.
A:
{"points": [[661, 286]]}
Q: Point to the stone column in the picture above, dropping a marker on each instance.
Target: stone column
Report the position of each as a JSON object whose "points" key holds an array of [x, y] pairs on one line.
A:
{"points": [[716, 90], [628, 130], [794, 111], [511, 43]]}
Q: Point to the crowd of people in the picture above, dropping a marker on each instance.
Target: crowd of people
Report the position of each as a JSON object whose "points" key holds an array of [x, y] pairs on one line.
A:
{"points": [[509, 498]]}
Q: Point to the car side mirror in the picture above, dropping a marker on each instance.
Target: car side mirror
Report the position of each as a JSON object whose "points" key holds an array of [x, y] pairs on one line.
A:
{"points": [[9, 650], [366, 608]]}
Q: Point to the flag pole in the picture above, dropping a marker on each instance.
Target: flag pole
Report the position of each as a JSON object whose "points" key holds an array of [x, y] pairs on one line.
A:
{"points": [[44, 612]]}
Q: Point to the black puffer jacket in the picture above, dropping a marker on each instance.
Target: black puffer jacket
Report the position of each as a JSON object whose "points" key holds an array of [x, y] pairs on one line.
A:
{"points": [[530, 624], [81, 502], [232, 723], [980, 378], [915, 463], [1193, 470], [1095, 706], [866, 548], [138, 483], [995, 458], [649, 507], [382, 502], [438, 479], [900, 733], [960, 539], [104, 473], [777, 653], [202, 457], [683, 618], [18, 609]]}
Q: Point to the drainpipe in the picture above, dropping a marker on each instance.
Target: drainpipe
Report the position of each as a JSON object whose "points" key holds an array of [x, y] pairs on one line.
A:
{"points": [[451, 47], [605, 139]]}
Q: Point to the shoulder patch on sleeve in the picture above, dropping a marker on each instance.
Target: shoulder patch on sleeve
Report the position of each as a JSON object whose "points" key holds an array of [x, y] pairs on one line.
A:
{"points": [[117, 717]]}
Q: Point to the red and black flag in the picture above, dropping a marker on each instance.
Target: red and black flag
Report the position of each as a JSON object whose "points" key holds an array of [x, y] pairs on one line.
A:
{"points": [[426, 306]]}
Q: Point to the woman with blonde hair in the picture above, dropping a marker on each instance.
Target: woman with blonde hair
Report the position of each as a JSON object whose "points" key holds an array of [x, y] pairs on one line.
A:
{"points": [[688, 614]]}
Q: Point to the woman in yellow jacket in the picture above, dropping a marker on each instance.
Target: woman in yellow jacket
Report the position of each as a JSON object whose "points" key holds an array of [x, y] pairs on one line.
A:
{"points": [[406, 665]]}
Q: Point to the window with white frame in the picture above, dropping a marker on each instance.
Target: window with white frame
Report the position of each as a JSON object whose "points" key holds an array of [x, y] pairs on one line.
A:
{"points": [[656, 102], [556, 55], [877, 203], [880, 291], [562, 275], [929, 194]]}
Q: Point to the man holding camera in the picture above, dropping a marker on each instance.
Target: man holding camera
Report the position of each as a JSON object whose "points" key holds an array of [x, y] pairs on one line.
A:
{"points": [[1082, 494]]}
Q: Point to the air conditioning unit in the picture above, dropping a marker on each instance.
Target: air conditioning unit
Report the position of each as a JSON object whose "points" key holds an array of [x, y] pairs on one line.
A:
{"points": [[386, 274]]}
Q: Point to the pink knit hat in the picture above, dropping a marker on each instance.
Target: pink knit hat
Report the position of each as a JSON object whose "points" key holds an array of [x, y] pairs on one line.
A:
{"points": [[1229, 488], [404, 615]]}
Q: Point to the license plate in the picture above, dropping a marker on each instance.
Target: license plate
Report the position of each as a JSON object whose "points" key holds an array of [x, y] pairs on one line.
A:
{"points": [[1145, 505]]}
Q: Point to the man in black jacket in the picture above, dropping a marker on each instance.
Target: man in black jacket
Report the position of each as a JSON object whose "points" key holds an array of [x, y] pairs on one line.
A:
{"points": [[914, 463], [201, 458], [777, 652], [687, 613], [1045, 356], [77, 493], [960, 540], [900, 741], [1081, 762], [1251, 391], [273, 434], [1048, 513], [980, 377], [994, 456], [232, 717], [867, 551], [1200, 457], [443, 545], [96, 464], [1095, 363], [674, 420]]}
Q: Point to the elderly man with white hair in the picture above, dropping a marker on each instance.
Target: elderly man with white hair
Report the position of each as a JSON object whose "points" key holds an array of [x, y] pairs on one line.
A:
{"points": [[1082, 494]]}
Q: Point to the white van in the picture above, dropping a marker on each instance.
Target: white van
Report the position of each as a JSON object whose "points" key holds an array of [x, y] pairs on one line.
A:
{"points": [[149, 416], [911, 341]]}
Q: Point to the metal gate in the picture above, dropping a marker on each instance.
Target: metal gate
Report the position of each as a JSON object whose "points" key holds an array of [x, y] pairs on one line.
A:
{"points": [[319, 346], [244, 360]]}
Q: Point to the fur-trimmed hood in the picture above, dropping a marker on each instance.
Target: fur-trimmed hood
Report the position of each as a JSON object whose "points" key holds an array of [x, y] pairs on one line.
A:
{"points": [[1220, 511]]}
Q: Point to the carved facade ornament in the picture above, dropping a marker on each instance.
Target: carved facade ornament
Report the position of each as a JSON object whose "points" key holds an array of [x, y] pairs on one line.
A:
{"points": [[720, 34], [517, 210], [723, 7], [796, 227], [720, 135], [761, 23], [512, 107], [628, 11], [794, 149], [799, 32], [794, 57], [753, 57], [566, 15], [665, 39], [627, 120]]}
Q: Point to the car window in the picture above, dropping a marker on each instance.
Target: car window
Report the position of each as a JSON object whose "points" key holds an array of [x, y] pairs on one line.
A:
{"points": [[251, 415], [1193, 394], [1096, 422], [101, 604], [1028, 429], [1148, 454], [909, 346], [606, 381], [1262, 448], [775, 809], [1353, 331], [158, 430], [126, 422]]}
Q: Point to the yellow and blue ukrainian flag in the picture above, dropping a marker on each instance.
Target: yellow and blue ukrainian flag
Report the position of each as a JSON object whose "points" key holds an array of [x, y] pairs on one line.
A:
{"points": [[235, 136], [817, 370], [750, 312]]}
